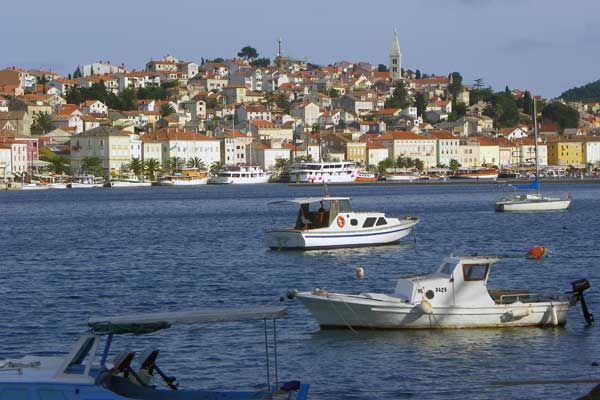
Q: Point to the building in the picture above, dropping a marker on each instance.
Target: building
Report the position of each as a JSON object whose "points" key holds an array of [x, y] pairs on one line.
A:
{"points": [[268, 131], [233, 147], [184, 145], [101, 68], [591, 151], [108, 144], [446, 148], [94, 107], [266, 157], [395, 66], [309, 113], [376, 153], [566, 152], [489, 150], [411, 145], [469, 153]]}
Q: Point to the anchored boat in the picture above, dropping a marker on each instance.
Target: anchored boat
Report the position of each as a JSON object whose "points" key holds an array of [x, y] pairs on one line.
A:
{"points": [[329, 222], [85, 374], [454, 296]]}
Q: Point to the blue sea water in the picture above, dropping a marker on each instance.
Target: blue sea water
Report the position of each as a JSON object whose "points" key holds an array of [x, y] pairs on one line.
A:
{"points": [[69, 255]]}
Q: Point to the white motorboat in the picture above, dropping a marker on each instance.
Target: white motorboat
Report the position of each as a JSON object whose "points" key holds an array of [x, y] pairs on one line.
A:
{"points": [[401, 175], [86, 182], [454, 296], [520, 202], [185, 177], [329, 222], [241, 175], [57, 185], [323, 172], [476, 174], [127, 181], [85, 373], [34, 186]]}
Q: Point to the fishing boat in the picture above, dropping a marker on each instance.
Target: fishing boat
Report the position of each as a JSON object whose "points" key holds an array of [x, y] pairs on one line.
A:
{"points": [[185, 177], [34, 186], [129, 180], [84, 373], [329, 222], [476, 174], [532, 201], [401, 175], [240, 174], [366, 177], [454, 296], [85, 182], [323, 172]]}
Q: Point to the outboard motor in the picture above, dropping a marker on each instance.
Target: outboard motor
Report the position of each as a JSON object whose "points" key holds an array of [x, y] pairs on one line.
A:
{"points": [[579, 286]]}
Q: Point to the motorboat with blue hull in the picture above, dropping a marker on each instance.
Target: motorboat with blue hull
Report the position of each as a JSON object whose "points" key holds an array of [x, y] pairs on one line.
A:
{"points": [[85, 374], [455, 295], [329, 222]]}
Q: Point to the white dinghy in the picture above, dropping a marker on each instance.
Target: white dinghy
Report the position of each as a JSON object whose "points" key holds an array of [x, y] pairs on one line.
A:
{"points": [[454, 296], [329, 222]]}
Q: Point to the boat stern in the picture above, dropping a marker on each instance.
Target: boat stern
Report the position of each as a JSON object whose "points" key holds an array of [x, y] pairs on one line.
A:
{"points": [[285, 239]]}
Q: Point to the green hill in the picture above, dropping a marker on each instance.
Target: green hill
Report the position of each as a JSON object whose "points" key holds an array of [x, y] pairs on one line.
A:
{"points": [[585, 93]]}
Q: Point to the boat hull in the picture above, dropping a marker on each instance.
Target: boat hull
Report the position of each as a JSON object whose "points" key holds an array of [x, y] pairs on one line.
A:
{"points": [[218, 180], [553, 205], [76, 185], [478, 177], [34, 187], [191, 182], [335, 311], [117, 184], [295, 239]]}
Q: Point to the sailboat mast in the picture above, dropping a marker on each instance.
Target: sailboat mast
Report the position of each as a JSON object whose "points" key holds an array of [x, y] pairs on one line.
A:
{"points": [[535, 134]]}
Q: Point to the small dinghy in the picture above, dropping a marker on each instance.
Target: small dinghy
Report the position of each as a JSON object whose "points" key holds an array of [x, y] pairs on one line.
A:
{"points": [[329, 222], [85, 373], [454, 296]]}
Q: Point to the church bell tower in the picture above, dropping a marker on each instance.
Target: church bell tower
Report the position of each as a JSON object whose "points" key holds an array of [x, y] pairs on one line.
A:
{"points": [[395, 66]]}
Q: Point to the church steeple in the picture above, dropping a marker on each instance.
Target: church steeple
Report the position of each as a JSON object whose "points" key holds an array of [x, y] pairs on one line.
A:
{"points": [[395, 66]]}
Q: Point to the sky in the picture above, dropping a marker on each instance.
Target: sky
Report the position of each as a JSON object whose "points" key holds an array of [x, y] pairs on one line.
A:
{"points": [[546, 46]]}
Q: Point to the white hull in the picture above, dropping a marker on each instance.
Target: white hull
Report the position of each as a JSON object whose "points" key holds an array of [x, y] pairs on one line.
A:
{"points": [[547, 205], [57, 186], [344, 311], [191, 182], [76, 185], [401, 178], [219, 180], [29, 186], [123, 184], [321, 178], [334, 238], [482, 177]]}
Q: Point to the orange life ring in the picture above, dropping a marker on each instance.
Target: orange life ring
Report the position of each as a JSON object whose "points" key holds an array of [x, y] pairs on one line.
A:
{"points": [[311, 179], [340, 221]]}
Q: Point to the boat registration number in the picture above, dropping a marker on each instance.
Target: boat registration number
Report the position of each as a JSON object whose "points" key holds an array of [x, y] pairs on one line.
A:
{"points": [[437, 290]]}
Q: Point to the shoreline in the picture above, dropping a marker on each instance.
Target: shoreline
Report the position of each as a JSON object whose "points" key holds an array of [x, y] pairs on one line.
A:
{"points": [[457, 182]]}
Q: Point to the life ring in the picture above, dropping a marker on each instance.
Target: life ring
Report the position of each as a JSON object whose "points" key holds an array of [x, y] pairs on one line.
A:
{"points": [[311, 179], [340, 221]]}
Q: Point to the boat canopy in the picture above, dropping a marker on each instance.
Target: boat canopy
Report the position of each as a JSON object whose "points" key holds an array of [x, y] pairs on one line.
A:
{"points": [[308, 200], [152, 322]]}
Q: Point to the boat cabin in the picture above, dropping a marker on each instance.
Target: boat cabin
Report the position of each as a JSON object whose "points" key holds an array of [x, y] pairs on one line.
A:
{"points": [[458, 281], [318, 212]]}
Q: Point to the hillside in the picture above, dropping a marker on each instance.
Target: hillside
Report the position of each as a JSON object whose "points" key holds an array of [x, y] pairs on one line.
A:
{"points": [[585, 93]]}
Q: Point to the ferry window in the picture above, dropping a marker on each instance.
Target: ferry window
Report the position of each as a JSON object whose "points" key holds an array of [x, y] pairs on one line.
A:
{"points": [[353, 222], [381, 221], [51, 395], [369, 222], [14, 394], [475, 272]]}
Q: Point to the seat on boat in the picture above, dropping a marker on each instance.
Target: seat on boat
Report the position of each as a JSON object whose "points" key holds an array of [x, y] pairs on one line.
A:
{"points": [[148, 366], [504, 296]]}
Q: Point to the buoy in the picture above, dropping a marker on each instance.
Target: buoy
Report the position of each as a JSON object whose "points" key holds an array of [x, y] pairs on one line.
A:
{"points": [[426, 307], [360, 272], [291, 295], [537, 252]]}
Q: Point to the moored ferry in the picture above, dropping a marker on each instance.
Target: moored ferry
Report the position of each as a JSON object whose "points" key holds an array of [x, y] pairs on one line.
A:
{"points": [[478, 174], [185, 177], [323, 172], [241, 175]]}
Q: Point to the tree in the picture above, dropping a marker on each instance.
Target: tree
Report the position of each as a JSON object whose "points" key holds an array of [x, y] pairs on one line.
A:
{"points": [[459, 109], [166, 110], [261, 62], [216, 167], [342, 124], [399, 99], [136, 166], [454, 166], [479, 84], [77, 73], [382, 68], [561, 114], [418, 74], [283, 102], [248, 53], [42, 80], [196, 162], [92, 165], [420, 103], [151, 168], [334, 94], [586, 93], [42, 124], [384, 165], [60, 164], [526, 103], [480, 94], [281, 164], [503, 109], [173, 164], [419, 165], [455, 85]]}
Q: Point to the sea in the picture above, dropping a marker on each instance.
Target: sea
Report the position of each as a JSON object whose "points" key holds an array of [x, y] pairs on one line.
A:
{"points": [[68, 255]]}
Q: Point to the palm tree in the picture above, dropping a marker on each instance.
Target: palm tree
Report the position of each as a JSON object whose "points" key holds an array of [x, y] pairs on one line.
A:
{"points": [[196, 162], [92, 165], [60, 164], [42, 124], [166, 110], [419, 164], [136, 166], [151, 167], [454, 165], [216, 167], [172, 164]]}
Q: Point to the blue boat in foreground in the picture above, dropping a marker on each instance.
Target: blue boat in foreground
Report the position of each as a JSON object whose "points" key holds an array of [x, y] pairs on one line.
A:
{"points": [[84, 374]]}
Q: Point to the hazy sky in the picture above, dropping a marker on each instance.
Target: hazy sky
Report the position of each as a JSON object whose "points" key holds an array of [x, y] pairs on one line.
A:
{"points": [[544, 45]]}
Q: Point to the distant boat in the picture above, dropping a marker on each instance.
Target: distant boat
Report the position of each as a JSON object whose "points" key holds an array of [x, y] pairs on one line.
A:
{"points": [[129, 180], [323, 172], [455, 295], [34, 186], [476, 174], [533, 201], [84, 372], [240, 175], [185, 177], [329, 222], [401, 175], [85, 182], [366, 177]]}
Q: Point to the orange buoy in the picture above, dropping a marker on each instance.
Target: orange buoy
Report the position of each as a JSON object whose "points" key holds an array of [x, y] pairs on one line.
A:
{"points": [[537, 252], [360, 272]]}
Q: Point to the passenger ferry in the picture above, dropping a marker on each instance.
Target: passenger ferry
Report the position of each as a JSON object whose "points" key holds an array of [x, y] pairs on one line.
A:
{"points": [[241, 175], [320, 172]]}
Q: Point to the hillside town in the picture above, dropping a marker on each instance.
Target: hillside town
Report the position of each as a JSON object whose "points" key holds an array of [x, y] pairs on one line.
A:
{"points": [[108, 120]]}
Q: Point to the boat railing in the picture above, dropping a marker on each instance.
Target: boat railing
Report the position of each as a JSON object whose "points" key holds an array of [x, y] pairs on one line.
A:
{"points": [[529, 297], [18, 369]]}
